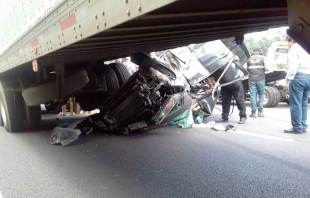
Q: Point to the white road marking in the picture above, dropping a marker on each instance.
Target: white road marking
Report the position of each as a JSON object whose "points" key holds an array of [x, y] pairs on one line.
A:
{"points": [[259, 135], [263, 136], [0, 194]]}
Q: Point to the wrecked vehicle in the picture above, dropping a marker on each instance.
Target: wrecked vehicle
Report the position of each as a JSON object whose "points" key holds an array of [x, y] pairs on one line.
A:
{"points": [[163, 90], [145, 101], [202, 62]]}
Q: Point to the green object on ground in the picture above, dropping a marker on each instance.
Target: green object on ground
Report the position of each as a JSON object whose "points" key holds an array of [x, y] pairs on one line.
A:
{"points": [[185, 120], [182, 119], [198, 116]]}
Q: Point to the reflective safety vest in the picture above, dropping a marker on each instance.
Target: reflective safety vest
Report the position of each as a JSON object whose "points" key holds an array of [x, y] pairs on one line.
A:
{"points": [[256, 67]]}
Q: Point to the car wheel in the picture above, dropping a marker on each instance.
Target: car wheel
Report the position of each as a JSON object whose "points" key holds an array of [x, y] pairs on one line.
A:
{"points": [[110, 78], [121, 72], [93, 100]]}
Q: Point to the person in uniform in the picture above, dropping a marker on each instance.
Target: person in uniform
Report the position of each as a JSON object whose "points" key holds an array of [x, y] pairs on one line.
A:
{"points": [[256, 66]]}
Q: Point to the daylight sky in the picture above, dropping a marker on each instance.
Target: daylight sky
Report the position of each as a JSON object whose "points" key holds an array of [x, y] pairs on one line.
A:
{"points": [[271, 33]]}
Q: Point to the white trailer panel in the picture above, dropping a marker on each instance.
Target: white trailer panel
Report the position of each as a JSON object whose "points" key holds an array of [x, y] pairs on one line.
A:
{"points": [[18, 17], [52, 25]]}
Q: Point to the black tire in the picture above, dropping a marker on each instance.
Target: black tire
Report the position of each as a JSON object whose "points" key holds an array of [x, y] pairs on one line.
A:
{"points": [[92, 100], [11, 106], [111, 79], [121, 72], [47, 92], [272, 97], [277, 97], [32, 114], [269, 96]]}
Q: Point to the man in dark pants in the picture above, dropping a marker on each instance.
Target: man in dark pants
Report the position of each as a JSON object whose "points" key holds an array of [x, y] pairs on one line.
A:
{"points": [[233, 90]]}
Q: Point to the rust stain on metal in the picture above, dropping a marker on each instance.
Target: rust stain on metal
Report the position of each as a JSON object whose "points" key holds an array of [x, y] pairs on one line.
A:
{"points": [[35, 42], [68, 22], [34, 49]]}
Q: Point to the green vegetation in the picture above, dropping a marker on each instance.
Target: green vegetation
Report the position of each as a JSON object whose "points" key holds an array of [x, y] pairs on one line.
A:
{"points": [[280, 66], [264, 43]]}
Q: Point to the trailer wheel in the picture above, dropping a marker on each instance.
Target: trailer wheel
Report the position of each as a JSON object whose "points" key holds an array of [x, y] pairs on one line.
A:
{"points": [[46, 92], [277, 97], [32, 114], [121, 72], [268, 96], [11, 106]]}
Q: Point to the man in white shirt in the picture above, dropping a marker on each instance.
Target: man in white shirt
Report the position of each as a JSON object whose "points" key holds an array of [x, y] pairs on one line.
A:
{"points": [[298, 78]]}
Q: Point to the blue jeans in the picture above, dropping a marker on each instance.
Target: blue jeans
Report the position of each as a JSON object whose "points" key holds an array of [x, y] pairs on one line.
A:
{"points": [[257, 87], [299, 89]]}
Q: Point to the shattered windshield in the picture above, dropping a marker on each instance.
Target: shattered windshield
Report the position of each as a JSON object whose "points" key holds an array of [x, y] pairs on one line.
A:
{"points": [[239, 50], [201, 60]]}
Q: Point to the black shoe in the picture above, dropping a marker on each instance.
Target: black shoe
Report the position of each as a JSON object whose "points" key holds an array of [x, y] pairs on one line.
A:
{"points": [[304, 131], [292, 130], [242, 121], [222, 120]]}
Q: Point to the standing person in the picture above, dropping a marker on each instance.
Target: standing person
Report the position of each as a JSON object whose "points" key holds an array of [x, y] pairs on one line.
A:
{"points": [[233, 90], [256, 67], [298, 78]]}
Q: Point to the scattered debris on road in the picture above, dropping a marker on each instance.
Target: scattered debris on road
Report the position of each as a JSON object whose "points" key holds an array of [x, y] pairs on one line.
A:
{"points": [[64, 134]]}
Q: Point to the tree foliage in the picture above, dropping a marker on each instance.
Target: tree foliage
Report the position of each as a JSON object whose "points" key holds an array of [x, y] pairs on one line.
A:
{"points": [[280, 66], [264, 43]]}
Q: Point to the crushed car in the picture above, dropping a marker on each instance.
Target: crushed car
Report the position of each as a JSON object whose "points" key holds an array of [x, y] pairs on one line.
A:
{"points": [[164, 88]]}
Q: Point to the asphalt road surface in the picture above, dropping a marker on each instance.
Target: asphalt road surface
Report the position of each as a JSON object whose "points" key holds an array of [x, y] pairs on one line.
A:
{"points": [[256, 160]]}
